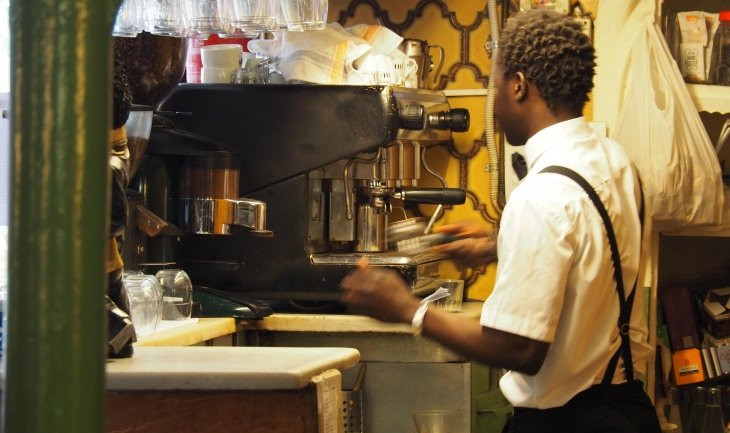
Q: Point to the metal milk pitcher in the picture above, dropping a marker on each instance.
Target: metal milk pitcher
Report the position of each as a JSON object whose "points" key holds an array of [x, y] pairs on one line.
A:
{"points": [[420, 51]]}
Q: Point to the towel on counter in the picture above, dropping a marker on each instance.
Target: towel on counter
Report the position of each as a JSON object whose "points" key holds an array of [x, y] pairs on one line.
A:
{"points": [[383, 40], [329, 56]]}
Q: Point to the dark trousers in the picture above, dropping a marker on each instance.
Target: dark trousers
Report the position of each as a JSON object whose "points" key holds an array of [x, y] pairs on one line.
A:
{"points": [[623, 408]]}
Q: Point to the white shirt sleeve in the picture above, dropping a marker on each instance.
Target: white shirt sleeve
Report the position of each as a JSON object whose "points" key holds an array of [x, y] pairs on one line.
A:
{"points": [[536, 250]]}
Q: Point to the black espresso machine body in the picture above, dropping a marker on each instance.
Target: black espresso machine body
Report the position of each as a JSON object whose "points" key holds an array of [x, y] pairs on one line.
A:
{"points": [[327, 161]]}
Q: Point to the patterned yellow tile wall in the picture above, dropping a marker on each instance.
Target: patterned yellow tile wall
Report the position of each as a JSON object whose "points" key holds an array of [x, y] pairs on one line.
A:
{"points": [[461, 28]]}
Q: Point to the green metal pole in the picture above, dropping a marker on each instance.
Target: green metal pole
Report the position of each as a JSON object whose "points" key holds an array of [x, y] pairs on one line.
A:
{"points": [[60, 121]]}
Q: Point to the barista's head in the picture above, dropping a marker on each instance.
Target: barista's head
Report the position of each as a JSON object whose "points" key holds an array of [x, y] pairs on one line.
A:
{"points": [[545, 69]]}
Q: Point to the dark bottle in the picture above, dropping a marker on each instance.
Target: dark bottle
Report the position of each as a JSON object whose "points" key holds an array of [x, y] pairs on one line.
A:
{"points": [[685, 407], [720, 57], [726, 404], [673, 409], [697, 413], [713, 421]]}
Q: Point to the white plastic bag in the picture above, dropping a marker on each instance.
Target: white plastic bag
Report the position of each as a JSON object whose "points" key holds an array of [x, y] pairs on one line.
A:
{"points": [[663, 134]]}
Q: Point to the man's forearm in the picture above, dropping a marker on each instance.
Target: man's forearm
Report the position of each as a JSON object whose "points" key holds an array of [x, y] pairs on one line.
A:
{"points": [[488, 346]]}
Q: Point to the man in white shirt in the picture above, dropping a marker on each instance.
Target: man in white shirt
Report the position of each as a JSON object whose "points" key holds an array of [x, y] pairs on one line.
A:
{"points": [[561, 318]]}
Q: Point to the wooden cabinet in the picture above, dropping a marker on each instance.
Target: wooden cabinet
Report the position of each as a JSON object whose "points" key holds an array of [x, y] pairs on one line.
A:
{"points": [[227, 389], [404, 373]]}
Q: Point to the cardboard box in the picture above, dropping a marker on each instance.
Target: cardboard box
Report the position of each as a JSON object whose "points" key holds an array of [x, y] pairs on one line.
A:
{"points": [[687, 367]]}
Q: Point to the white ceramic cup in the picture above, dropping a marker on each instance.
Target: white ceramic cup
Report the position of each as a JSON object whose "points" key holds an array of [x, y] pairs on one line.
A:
{"points": [[216, 75], [221, 56]]}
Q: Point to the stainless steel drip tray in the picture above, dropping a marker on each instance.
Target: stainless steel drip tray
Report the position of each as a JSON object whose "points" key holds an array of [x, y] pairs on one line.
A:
{"points": [[391, 258], [419, 271]]}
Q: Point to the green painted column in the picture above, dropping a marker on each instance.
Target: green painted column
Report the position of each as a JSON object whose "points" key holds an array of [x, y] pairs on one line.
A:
{"points": [[60, 120]]}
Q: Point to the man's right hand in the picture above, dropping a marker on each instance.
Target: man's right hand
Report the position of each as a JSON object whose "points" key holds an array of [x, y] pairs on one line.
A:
{"points": [[477, 249]]}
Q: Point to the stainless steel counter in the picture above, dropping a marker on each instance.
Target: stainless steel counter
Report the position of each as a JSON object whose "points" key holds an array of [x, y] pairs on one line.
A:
{"points": [[374, 339], [404, 372]]}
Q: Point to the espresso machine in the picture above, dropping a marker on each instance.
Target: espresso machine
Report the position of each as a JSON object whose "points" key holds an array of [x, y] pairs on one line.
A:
{"points": [[307, 176]]}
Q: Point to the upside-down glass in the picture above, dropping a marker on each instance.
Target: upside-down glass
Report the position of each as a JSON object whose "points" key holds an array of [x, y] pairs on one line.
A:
{"points": [[130, 19], [254, 16], [145, 302], [177, 289], [164, 17], [301, 15], [206, 17]]}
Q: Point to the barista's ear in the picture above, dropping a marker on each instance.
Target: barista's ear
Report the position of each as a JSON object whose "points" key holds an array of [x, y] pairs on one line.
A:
{"points": [[519, 84]]}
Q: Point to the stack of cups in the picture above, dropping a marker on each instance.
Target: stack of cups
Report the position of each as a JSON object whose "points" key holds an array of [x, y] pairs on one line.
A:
{"points": [[193, 63], [219, 62]]}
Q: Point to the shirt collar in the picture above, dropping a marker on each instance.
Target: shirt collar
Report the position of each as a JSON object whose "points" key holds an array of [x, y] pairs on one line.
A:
{"points": [[562, 132]]}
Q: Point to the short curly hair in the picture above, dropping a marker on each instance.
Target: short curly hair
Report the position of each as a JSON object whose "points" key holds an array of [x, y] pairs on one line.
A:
{"points": [[553, 53]]}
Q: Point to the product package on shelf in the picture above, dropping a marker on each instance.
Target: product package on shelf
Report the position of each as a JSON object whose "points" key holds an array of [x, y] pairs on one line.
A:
{"points": [[677, 304], [696, 30], [688, 367], [715, 312]]}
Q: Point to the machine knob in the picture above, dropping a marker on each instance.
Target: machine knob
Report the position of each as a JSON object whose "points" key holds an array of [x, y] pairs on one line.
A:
{"points": [[456, 119], [413, 116]]}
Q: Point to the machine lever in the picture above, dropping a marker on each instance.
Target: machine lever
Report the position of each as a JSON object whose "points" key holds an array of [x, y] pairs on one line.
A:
{"points": [[431, 195]]}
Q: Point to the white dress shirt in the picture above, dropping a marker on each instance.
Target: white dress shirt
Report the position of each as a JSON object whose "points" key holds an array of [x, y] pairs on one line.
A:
{"points": [[555, 280]]}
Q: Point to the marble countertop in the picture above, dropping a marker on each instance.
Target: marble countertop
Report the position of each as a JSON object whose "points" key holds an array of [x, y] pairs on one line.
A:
{"points": [[192, 332], [224, 368], [305, 322]]}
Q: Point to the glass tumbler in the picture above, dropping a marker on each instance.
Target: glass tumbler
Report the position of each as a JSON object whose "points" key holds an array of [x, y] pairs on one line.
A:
{"points": [[435, 421], [129, 20], [145, 301], [301, 15], [164, 17], [254, 16], [177, 294], [205, 17], [452, 302]]}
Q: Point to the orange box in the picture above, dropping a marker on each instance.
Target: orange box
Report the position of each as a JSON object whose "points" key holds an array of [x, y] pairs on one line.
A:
{"points": [[687, 366]]}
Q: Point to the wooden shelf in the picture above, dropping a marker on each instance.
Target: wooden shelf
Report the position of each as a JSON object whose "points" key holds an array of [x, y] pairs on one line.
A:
{"points": [[712, 99]]}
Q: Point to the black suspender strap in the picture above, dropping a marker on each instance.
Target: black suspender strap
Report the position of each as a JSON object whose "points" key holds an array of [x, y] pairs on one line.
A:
{"points": [[625, 304]]}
